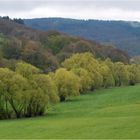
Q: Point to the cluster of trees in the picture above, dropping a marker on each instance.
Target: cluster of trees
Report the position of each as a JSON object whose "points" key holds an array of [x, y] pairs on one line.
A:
{"points": [[95, 73], [41, 68], [29, 51], [26, 91], [92, 73], [46, 50], [52, 50], [17, 20]]}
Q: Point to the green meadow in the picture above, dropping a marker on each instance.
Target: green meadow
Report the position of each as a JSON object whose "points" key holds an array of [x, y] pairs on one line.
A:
{"points": [[105, 113]]}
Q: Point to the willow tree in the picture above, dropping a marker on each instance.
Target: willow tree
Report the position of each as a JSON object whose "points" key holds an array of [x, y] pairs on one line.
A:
{"points": [[41, 91], [48, 86], [87, 62], [85, 79], [121, 74], [108, 79], [26, 70], [67, 83], [12, 92], [134, 74]]}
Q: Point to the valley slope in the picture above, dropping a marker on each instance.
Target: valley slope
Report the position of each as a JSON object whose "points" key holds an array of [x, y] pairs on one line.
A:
{"points": [[47, 49], [124, 35]]}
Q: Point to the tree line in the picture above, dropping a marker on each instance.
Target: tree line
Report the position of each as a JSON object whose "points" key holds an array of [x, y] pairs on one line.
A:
{"points": [[25, 91], [16, 20]]}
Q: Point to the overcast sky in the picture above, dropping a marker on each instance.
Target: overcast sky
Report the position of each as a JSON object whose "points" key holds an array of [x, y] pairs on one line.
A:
{"points": [[78, 9]]}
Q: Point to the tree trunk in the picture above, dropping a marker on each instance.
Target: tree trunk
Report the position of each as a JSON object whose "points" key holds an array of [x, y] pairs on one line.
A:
{"points": [[62, 98]]}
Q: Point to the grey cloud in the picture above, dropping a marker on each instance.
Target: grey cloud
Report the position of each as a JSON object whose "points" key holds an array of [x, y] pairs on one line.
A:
{"points": [[71, 8], [118, 4], [20, 5]]}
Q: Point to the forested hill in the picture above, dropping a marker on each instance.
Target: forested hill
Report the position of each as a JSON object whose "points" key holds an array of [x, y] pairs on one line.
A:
{"points": [[47, 49], [122, 34]]}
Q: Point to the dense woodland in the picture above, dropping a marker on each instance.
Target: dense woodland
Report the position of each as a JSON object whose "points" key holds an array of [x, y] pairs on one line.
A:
{"points": [[38, 69], [122, 34], [46, 50]]}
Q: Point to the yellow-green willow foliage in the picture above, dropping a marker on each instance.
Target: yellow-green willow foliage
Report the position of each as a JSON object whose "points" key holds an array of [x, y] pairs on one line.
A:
{"points": [[45, 83], [101, 73], [12, 95], [26, 70], [134, 74], [67, 83], [108, 79], [121, 74], [26, 92], [110, 64], [85, 79], [42, 92], [87, 62]]}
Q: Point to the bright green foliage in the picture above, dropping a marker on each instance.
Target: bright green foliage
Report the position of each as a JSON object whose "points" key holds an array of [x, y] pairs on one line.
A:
{"points": [[98, 79], [36, 101], [25, 95], [12, 92], [121, 74], [80, 60], [110, 64], [41, 92], [5, 74], [16, 93], [85, 79], [26, 70], [45, 83], [134, 74], [67, 83], [87, 62], [108, 79], [102, 73]]}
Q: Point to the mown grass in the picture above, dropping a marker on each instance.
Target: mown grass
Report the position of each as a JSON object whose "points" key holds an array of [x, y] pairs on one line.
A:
{"points": [[106, 113]]}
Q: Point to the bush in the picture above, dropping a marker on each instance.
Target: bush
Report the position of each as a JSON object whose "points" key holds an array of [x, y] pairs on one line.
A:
{"points": [[67, 83]]}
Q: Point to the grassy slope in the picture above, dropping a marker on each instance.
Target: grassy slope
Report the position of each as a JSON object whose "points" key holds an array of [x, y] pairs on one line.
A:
{"points": [[106, 113]]}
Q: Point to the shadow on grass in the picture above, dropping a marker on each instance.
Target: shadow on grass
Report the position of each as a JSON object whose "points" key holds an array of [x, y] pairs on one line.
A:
{"points": [[72, 100], [52, 114]]}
